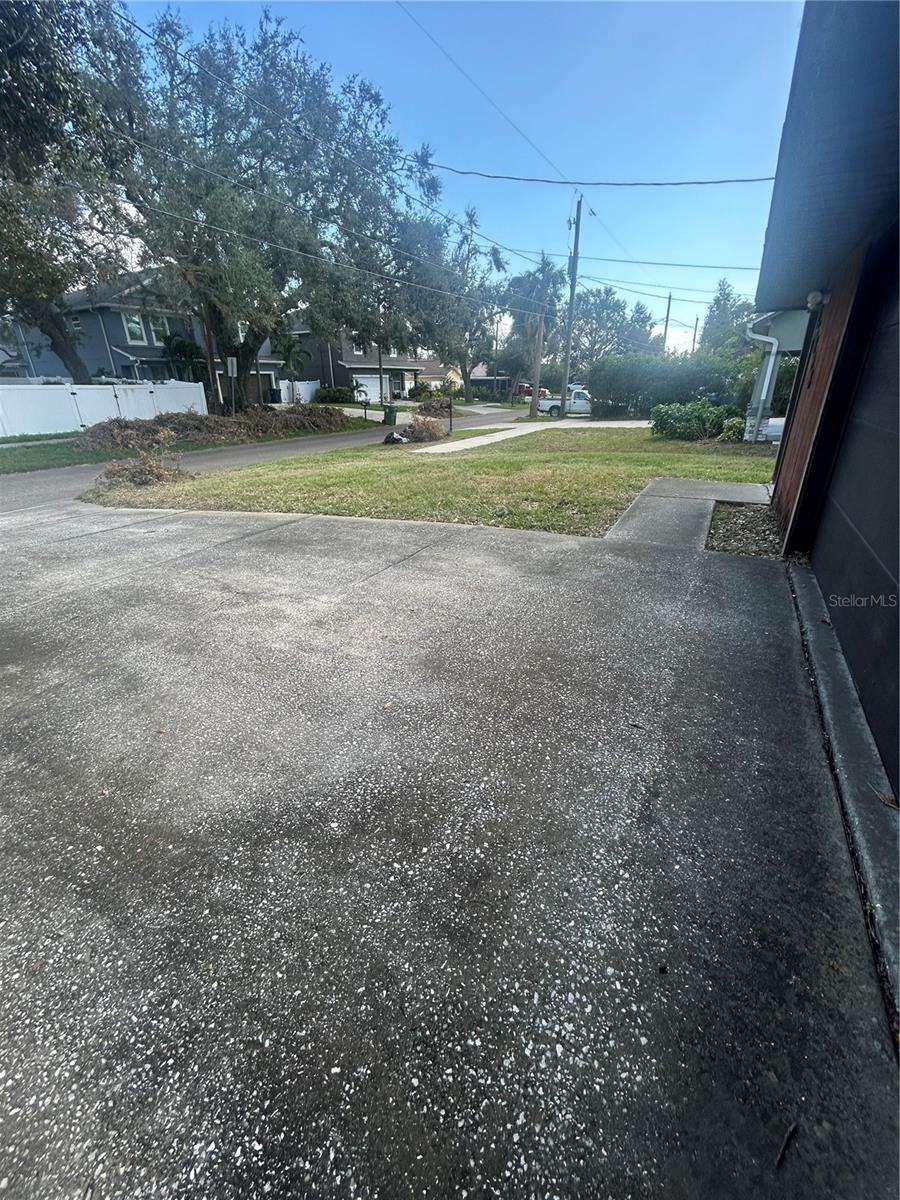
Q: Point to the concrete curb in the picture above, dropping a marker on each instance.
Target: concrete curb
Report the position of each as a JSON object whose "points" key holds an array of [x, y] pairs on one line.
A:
{"points": [[871, 825]]}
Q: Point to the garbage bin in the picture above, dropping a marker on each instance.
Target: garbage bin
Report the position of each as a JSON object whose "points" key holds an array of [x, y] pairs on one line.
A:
{"points": [[390, 414]]}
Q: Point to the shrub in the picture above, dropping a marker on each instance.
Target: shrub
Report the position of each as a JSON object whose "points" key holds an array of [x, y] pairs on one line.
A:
{"points": [[334, 395], [437, 405], [692, 421], [419, 391], [487, 395], [425, 429], [733, 430]]}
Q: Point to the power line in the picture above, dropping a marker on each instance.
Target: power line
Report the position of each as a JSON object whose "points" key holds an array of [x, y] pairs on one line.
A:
{"points": [[505, 115], [677, 286], [142, 205], [478, 88], [321, 141], [609, 183], [288, 204], [648, 262], [652, 295]]}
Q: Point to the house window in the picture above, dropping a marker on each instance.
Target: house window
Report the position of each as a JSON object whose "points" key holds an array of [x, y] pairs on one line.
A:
{"points": [[159, 328], [75, 323], [134, 328], [358, 349]]}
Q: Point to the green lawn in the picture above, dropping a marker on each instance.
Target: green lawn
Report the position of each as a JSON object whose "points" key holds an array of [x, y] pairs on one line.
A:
{"points": [[566, 481], [14, 438], [24, 456]]}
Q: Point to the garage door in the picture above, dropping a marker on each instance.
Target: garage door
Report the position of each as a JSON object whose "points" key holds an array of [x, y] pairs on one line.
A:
{"points": [[369, 384]]}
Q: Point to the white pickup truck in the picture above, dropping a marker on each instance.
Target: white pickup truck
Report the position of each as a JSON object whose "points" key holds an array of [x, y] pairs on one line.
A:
{"points": [[577, 405]]}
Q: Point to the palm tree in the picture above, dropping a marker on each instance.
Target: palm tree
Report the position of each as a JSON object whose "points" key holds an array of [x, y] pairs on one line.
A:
{"points": [[534, 296], [295, 355], [184, 355]]}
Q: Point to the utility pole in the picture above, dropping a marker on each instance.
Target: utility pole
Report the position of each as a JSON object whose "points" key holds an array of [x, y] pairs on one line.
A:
{"points": [[570, 316], [380, 377], [538, 354], [666, 329], [496, 351], [694, 338]]}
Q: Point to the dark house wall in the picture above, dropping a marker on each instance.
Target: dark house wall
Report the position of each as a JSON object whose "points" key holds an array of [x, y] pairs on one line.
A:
{"points": [[855, 552], [836, 482]]}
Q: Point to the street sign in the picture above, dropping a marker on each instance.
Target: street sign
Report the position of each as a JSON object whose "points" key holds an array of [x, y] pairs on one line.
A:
{"points": [[231, 362]]}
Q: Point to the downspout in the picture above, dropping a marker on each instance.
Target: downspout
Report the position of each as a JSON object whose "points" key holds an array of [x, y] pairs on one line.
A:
{"points": [[27, 350], [99, 316], [772, 343]]}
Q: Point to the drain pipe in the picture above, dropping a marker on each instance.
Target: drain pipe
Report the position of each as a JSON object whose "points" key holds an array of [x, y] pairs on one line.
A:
{"points": [[772, 343]]}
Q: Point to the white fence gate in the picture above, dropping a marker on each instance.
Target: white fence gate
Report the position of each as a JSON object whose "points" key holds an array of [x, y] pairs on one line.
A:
{"points": [[303, 390], [61, 407]]}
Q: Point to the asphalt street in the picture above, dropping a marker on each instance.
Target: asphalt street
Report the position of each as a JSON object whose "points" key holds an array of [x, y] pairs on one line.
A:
{"points": [[36, 488], [360, 858]]}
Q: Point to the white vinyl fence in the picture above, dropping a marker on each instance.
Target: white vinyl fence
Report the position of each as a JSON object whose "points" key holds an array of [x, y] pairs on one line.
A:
{"points": [[303, 390], [59, 407]]}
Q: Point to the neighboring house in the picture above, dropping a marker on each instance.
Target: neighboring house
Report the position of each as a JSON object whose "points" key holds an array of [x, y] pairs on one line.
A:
{"points": [[119, 330], [831, 246], [357, 366]]}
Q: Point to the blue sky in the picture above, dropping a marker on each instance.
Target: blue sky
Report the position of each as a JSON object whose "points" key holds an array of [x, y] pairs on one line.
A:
{"points": [[606, 90]]}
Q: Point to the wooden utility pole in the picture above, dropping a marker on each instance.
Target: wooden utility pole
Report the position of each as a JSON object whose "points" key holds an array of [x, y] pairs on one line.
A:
{"points": [[694, 338], [570, 316], [536, 367], [380, 378], [496, 351], [666, 329]]}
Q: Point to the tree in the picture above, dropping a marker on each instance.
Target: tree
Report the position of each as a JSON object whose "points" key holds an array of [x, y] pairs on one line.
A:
{"points": [[512, 360], [599, 320], [533, 300], [725, 318], [316, 176], [66, 65], [637, 336], [462, 308]]}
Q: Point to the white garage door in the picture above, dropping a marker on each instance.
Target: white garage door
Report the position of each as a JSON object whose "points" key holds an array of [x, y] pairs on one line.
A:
{"points": [[369, 384]]}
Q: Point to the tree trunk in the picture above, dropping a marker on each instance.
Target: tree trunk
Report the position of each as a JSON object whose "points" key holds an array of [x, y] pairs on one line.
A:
{"points": [[466, 371], [244, 352], [63, 347], [537, 355], [214, 397]]}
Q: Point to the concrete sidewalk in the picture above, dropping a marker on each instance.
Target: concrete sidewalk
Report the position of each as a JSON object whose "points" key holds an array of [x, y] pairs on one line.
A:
{"points": [[676, 513], [514, 429], [351, 857]]}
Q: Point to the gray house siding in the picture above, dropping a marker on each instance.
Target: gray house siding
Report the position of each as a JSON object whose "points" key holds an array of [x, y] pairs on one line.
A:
{"points": [[113, 354], [855, 551]]}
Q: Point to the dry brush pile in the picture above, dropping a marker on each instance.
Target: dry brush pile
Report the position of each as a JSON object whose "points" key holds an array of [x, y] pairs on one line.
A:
{"points": [[122, 433]]}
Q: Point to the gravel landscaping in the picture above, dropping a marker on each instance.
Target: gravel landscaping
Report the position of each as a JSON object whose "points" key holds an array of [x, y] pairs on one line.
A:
{"points": [[745, 529]]}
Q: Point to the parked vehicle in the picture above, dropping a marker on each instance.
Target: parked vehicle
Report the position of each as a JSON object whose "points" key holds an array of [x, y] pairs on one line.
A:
{"points": [[577, 405], [524, 389]]}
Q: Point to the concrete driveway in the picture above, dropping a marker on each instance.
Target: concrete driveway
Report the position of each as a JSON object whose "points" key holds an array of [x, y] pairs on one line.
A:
{"points": [[547, 895]]}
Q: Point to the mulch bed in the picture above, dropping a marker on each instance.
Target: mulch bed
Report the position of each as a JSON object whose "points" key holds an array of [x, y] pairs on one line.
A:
{"points": [[745, 529]]}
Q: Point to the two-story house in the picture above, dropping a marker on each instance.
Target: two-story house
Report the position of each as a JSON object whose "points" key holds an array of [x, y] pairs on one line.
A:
{"points": [[120, 332]]}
